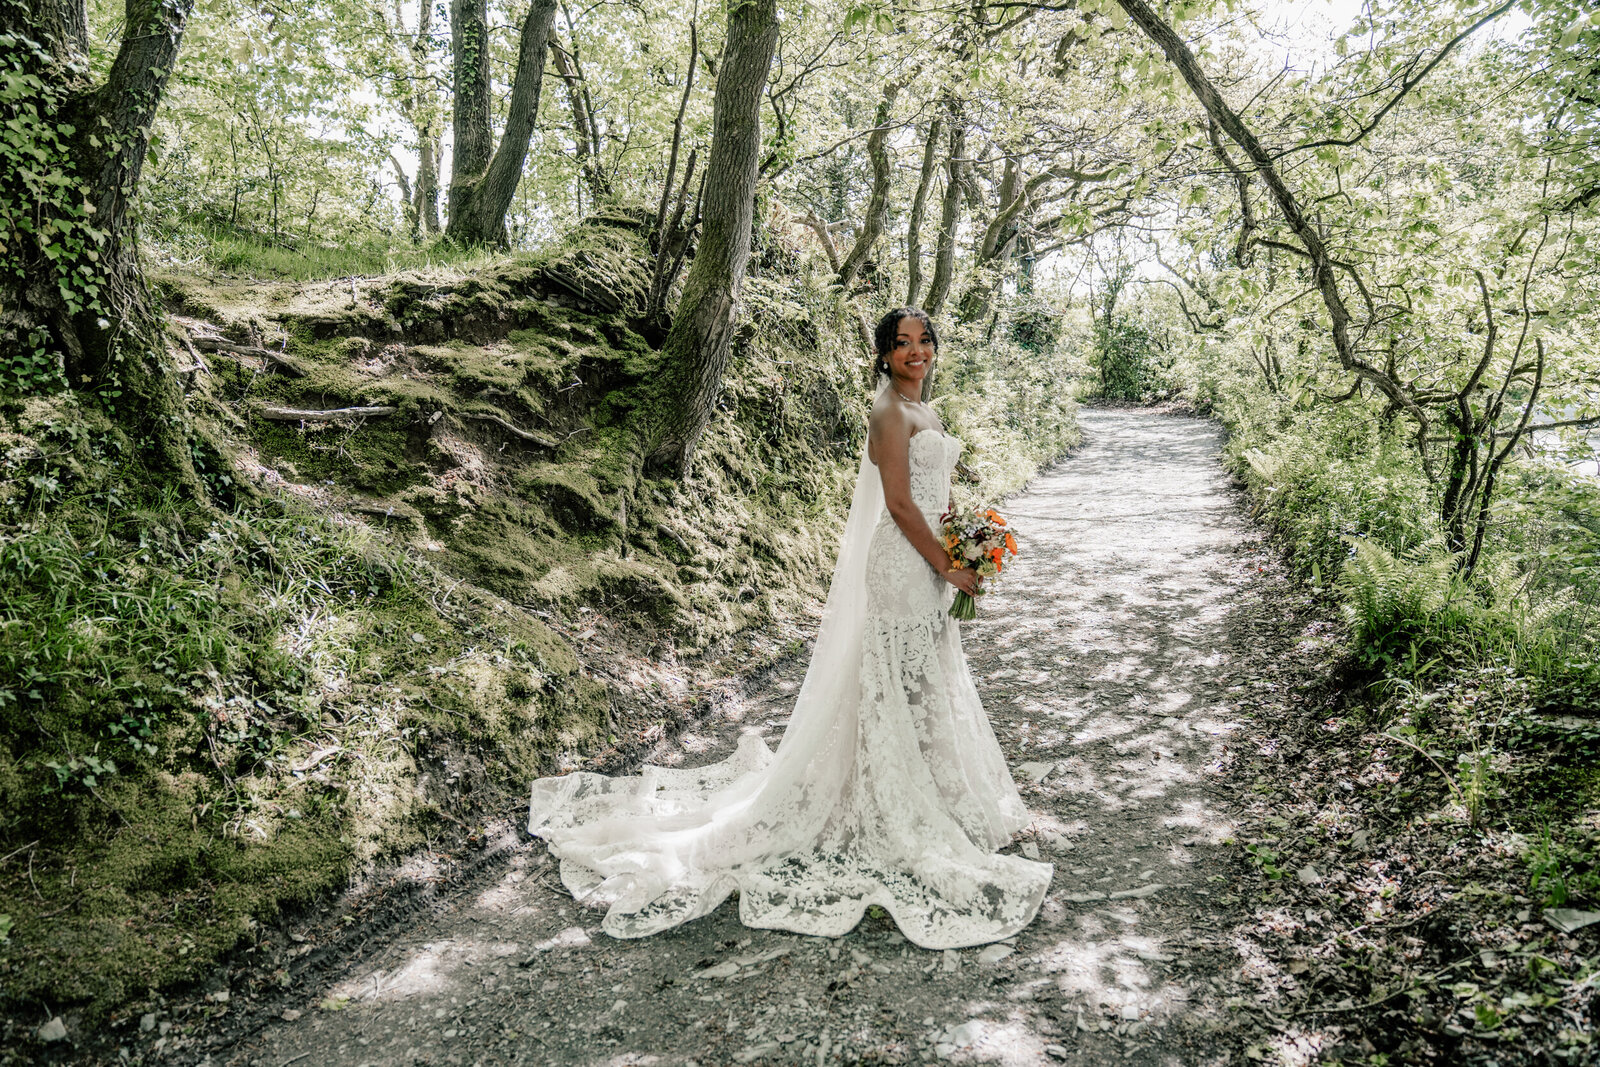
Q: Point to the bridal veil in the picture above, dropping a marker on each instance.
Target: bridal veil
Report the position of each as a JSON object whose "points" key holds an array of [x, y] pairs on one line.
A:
{"points": [[858, 805]]}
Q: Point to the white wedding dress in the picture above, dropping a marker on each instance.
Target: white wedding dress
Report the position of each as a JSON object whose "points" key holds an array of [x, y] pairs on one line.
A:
{"points": [[888, 787]]}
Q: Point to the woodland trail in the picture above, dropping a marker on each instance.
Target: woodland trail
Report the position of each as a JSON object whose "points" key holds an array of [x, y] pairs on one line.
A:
{"points": [[1105, 660]]}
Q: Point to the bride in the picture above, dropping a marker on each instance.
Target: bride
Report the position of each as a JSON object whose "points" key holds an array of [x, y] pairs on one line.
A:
{"points": [[888, 787]]}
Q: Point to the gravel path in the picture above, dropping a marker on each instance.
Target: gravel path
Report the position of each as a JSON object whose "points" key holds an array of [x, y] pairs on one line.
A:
{"points": [[1106, 660]]}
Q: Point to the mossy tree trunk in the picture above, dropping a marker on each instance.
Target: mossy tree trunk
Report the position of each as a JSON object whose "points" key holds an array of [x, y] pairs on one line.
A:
{"points": [[998, 242], [944, 260], [696, 351], [919, 208], [73, 303], [483, 178], [876, 219]]}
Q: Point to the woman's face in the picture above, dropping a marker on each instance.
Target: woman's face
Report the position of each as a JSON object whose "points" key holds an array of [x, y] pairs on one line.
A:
{"points": [[912, 354]]}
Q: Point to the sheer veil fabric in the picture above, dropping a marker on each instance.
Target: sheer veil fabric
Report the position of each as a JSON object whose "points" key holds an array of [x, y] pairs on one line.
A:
{"points": [[887, 788]]}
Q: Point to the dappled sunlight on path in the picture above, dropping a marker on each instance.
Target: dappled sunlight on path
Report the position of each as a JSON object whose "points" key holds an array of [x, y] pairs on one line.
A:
{"points": [[1105, 660]]}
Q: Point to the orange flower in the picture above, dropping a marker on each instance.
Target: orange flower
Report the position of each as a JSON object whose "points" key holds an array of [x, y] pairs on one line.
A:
{"points": [[1011, 543]]}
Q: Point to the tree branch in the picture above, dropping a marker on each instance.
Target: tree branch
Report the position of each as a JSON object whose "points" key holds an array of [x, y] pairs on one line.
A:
{"points": [[677, 135], [1591, 420], [1316, 249], [1241, 180], [1405, 86]]}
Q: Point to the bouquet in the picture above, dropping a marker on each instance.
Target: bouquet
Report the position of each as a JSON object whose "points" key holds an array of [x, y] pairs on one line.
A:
{"points": [[976, 538]]}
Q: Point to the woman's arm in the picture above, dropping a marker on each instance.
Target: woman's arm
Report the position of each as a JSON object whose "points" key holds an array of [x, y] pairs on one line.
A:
{"points": [[889, 433]]}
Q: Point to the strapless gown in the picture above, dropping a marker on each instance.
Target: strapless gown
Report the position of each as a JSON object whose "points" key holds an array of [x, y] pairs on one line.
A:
{"points": [[898, 799]]}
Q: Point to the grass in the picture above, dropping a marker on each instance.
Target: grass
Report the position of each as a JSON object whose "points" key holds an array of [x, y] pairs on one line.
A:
{"points": [[220, 252]]}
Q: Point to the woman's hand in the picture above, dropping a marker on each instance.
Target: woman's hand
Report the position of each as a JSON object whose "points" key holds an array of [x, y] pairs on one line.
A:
{"points": [[964, 579]]}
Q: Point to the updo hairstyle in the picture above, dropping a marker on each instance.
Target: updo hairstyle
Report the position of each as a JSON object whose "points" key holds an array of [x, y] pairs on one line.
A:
{"points": [[889, 327]]}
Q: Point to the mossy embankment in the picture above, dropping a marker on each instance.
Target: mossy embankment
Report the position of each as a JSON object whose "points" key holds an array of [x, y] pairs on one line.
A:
{"points": [[212, 714]]}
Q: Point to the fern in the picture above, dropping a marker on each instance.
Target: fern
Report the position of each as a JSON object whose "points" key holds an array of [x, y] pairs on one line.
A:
{"points": [[1262, 465], [1395, 602]]}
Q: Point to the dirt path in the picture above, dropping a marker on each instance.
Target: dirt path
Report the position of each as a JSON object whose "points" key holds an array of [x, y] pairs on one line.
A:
{"points": [[1105, 661]]}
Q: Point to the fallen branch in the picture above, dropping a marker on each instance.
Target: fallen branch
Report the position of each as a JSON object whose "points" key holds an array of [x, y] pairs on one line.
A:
{"points": [[334, 415], [24, 848], [276, 359], [199, 360], [675, 537], [526, 435]]}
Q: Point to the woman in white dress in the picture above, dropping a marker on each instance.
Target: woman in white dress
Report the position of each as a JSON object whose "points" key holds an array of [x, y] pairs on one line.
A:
{"points": [[888, 787]]}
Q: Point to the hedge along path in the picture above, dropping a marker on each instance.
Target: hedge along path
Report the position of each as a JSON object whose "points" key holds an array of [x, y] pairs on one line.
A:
{"points": [[1108, 661]]}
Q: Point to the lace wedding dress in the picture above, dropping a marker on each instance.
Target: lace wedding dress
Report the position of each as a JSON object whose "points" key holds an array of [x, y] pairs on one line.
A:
{"points": [[888, 787]]}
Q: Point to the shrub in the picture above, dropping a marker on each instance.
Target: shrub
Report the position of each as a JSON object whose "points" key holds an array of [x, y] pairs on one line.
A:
{"points": [[1318, 488], [1129, 365]]}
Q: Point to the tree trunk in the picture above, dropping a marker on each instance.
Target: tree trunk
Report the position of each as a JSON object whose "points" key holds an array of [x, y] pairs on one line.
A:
{"points": [[73, 297], [658, 235], [829, 249], [1460, 471], [426, 125], [470, 66], [672, 245], [998, 234], [585, 136], [876, 219], [408, 199], [919, 206], [696, 351], [481, 185], [427, 190], [995, 244], [944, 262]]}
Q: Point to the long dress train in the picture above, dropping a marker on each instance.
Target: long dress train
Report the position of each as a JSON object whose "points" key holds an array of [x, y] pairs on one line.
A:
{"points": [[888, 787]]}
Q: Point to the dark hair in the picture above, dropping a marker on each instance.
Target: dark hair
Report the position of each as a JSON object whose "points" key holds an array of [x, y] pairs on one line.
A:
{"points": [[889, 327]]}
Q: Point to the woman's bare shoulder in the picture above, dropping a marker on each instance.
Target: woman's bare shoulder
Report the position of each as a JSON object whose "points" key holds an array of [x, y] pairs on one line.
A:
{"points": [[887, 416]]}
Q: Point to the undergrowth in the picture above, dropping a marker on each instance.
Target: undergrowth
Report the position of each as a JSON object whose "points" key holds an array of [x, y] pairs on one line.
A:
{"points": [[1440, 818], [1358, 519]]}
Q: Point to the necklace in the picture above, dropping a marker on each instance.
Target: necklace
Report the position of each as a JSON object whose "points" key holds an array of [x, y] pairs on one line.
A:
{"points": [[903, 396]]}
